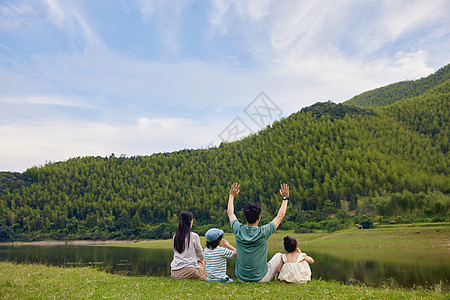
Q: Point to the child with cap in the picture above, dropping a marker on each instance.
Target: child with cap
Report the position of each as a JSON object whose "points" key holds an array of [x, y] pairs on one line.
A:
{"points": [[216, 252]]}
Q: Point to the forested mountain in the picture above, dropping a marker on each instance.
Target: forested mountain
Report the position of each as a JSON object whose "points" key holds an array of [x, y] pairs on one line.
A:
{"points": [[401, 90], [389, 161]]}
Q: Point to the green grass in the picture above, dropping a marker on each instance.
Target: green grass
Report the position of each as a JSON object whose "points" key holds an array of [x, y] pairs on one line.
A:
{"points": [[19, 281], [428, 235]]}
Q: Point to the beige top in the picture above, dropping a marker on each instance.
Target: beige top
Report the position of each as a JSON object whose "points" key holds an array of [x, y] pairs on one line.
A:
{"points": [[298, 271], [189, 256]]}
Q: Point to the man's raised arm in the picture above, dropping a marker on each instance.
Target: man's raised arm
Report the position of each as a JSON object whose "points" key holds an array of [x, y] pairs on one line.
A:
{"points": [[233, 192], [284, 192]]}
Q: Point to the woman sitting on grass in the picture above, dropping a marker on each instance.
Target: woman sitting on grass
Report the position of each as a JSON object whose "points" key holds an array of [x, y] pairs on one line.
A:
{"points": [[188, 261], [294, 265]]}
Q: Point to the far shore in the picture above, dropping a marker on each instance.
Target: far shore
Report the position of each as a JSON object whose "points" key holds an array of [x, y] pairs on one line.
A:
{"points": [[416, 235], [74, 243]]}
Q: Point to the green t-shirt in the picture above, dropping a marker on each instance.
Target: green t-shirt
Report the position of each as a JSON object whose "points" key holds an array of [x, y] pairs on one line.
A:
{"points": [[251, 246]]}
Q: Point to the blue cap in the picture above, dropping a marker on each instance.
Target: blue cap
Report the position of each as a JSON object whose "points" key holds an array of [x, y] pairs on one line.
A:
{"points": [[213, 234]]}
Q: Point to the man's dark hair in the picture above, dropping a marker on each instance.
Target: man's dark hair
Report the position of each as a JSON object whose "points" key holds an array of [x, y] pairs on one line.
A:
{"points": [[251, 211], [214, 244], [290, 244]]}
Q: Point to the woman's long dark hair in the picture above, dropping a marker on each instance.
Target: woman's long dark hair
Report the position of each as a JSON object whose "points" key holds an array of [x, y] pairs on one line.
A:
{"points": [[183, 232]]}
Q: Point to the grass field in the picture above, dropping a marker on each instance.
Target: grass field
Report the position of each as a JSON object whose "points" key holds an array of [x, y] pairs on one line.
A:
{"points": [[427, 235], [18, 281]]}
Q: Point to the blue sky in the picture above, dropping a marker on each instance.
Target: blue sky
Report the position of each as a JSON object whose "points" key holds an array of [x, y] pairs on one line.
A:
{"points": [[82, 78]]}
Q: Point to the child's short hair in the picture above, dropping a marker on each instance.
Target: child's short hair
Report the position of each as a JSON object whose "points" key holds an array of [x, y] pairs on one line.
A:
{"points": [[290, 243]]}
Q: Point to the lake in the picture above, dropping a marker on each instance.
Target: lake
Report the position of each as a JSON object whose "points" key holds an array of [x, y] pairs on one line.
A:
{"points": [[372, 267]]}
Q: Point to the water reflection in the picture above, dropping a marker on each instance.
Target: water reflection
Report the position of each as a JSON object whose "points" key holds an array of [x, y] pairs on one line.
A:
{"points": [[126, 261], [396, 267], [362, 267]]}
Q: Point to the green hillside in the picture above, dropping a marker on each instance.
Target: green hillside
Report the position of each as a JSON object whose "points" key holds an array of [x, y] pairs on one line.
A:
{"points": [[392, 93], [391, 162]]}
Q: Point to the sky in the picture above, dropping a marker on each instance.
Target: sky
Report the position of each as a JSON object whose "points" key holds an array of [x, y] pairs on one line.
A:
{"points": [[92, 78]]}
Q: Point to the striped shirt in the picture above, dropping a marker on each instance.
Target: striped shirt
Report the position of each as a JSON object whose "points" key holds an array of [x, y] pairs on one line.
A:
{"points": [[216, 263]]}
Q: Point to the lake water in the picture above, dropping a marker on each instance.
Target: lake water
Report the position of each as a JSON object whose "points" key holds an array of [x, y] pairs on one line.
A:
{"points": [[404, 268]]}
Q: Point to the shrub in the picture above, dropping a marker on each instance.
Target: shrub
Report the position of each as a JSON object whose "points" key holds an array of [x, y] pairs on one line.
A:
{"points": [[367, 224], [5, 233], [334, 225], [303, 230]]}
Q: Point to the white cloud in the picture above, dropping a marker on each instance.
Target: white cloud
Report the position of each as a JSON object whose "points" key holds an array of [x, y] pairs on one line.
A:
{"points": [[190, 82], [168, 17], [165, 122], [300, 30], [146, 8], [66, 15], [44, 100], [71, 18], [403, 17], [254, 9], [131, 87], [34, 144], [259, 9], [17, 15], [57, 13]]}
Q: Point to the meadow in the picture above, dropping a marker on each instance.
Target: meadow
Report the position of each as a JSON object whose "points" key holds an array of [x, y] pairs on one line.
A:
{"points": [[18, 281]]}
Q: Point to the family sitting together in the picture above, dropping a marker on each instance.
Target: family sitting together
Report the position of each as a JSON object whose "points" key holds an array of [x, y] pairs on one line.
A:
{"points": [[191, 261]]}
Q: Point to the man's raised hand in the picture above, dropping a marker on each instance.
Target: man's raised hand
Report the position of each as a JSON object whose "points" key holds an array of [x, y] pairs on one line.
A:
{"points": [[234, 189], [230, 210], [284, 190]]}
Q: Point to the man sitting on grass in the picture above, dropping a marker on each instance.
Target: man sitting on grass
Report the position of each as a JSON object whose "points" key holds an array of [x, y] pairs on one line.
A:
{"points": [[251, 240]]}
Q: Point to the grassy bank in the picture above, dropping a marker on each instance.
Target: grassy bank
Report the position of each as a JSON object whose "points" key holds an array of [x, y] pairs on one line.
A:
{"points": [[420, 235], [42, 282]]}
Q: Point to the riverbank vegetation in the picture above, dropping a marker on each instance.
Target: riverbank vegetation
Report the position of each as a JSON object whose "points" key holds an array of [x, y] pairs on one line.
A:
{"points": [[375, 164], [18, 281]]}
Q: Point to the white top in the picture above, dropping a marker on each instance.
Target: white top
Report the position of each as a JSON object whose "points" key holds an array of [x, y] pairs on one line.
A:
{"points": [[298, 271], [216, 262], [189, 256]]}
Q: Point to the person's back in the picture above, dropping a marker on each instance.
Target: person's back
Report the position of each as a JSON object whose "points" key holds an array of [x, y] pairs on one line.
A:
{"points": [[188, 259], [251, 240], [251, 245], [215, 256], [294, 266]]}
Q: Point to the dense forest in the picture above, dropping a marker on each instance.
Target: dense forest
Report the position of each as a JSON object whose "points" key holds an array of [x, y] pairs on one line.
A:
{"points": [[387, 162]]}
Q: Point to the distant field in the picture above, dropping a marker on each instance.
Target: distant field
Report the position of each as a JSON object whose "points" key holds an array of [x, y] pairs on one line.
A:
{"points": [[43, 282], [426, 235], [419, 235]]}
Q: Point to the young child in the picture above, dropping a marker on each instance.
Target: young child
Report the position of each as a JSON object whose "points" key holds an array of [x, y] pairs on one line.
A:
{"points": [[216, 255], [294, 265]]}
